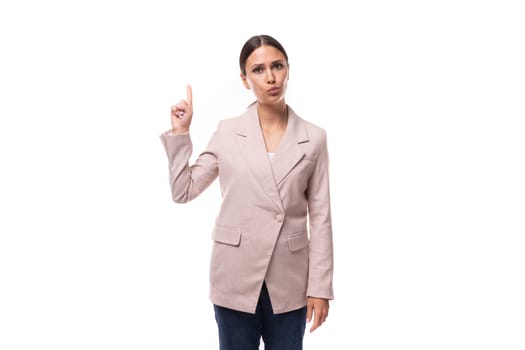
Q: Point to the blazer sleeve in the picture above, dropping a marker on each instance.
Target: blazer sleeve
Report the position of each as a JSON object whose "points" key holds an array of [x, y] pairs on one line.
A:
{"points": [[186, 181], [321, 246]]}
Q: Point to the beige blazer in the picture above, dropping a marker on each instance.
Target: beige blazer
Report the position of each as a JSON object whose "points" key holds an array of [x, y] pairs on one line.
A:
{"points": [[261, 232]]}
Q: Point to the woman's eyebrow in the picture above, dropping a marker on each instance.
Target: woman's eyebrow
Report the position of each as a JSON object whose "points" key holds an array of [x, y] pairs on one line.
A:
{"points": [[262, 64]]}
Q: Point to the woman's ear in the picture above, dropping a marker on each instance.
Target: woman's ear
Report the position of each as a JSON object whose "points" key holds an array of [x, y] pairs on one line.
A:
{"points": [[245, 81]]}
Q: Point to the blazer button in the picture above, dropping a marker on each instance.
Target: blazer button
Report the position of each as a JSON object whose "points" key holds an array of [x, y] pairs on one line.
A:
{"points": [[279, 218]]}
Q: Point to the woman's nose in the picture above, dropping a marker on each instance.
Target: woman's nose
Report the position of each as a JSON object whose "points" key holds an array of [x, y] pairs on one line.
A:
{"points": [[270, 78]]}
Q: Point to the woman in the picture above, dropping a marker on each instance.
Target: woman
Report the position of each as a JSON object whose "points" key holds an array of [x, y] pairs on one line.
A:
{"points": [[269, 275]]}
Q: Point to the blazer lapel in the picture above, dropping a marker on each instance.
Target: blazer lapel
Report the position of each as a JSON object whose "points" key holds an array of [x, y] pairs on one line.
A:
{"points": [[253, 149], [288, 153]]}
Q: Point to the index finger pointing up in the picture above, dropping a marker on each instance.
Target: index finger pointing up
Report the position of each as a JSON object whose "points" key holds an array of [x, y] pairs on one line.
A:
{"points": [[189, 94]]}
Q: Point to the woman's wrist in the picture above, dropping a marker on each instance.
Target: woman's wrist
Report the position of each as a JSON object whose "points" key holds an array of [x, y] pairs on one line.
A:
{"points": [[180, 131]]}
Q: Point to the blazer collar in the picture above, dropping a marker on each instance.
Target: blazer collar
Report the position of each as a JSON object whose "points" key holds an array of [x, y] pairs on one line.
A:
{"points": [[249, 125], [289, 152]]}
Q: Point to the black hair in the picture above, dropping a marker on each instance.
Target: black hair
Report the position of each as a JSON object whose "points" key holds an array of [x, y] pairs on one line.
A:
{"points": [[255, 42]]}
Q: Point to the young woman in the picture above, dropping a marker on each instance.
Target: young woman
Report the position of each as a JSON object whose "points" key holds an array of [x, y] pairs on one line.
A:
{"points": [[270, 273]]}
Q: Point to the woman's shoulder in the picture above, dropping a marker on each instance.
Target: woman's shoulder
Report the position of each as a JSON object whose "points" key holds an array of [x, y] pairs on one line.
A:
{"points": [[230, 123], [315, 132], [239, 121]]}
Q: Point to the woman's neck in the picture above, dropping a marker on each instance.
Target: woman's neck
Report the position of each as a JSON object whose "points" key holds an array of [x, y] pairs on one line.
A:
{"points": [[272, 116]]}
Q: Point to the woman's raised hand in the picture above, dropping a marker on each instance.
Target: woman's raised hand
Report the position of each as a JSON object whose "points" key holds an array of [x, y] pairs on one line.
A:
{"points": [[181, 113]]}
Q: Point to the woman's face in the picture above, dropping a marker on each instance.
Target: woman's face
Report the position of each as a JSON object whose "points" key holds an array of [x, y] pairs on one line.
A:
{"points": [[266, 74]]}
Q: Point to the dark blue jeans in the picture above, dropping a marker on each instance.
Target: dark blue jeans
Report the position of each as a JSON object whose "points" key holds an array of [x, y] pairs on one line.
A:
{"points": [[243, 331]]}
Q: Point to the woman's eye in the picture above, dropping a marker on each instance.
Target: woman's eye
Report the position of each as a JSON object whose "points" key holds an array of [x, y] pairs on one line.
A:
{"points": [[257, 70], [279, 65]]}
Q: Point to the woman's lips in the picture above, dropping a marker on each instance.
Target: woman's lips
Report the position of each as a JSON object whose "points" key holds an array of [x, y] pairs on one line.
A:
{"points": [[273, 91]]}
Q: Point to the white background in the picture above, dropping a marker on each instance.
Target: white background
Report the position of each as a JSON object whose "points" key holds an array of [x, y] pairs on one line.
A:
{"points": [[423, 102]]}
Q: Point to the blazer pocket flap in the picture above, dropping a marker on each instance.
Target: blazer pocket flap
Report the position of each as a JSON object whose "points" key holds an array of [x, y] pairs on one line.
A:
{"points": [[297, 241], [227, 235]]}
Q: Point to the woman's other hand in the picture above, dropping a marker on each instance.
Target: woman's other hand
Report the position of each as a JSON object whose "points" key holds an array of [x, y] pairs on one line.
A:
{"points": [[319, 308]]}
